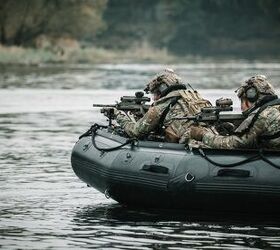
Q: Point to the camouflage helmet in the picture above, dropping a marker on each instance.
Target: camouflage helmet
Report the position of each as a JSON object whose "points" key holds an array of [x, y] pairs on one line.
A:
{"points": [[167, 78], [255, 87]]}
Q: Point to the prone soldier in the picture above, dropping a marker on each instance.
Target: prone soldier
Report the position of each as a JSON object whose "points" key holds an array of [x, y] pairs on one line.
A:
{"points": [[261, 128], [171, 100]]}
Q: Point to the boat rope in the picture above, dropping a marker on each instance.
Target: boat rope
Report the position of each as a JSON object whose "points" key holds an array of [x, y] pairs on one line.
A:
{"points": [[93, 132], [252, 158], [267, 161], [258, 156], [89, 132]]}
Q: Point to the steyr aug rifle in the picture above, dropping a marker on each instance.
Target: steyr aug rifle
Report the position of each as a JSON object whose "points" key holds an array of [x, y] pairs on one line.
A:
{"points": [[224, 123], [213, 114], [135, 105]]}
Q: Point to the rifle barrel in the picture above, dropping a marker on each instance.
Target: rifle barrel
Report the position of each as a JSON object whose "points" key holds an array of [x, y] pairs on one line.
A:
{"points": [[124, 107], [216, 109], [104, 105]]}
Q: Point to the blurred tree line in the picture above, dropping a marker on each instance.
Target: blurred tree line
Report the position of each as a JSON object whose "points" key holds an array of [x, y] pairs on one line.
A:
{"points": [[197, 27], [207, 27], [22, 21]]}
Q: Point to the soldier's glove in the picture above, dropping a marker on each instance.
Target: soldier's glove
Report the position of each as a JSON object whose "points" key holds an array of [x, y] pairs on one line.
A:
{"points": [[197, 133], [225, 128]]}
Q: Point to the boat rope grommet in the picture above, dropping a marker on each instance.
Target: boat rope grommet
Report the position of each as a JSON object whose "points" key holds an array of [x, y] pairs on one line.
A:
{"points": [[102, 153], [86, 147], [107, 194], [189, 177]]}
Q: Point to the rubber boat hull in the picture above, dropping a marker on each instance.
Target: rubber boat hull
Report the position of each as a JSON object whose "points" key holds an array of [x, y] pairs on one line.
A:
{"points": [[166, 175]]}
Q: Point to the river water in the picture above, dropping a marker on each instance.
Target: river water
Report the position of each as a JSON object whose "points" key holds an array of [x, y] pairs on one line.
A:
{"points": [[43, 205]]}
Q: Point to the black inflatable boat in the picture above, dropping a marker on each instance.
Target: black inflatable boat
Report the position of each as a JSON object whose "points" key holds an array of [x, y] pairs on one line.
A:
{"points": [[168, 175]]}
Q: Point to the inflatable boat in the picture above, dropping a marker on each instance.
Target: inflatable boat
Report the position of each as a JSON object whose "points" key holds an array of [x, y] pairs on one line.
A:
{"points": [[154, 174]]}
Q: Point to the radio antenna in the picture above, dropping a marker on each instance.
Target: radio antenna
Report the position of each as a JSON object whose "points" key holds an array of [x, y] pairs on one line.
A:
{"points": [[191, 87]]}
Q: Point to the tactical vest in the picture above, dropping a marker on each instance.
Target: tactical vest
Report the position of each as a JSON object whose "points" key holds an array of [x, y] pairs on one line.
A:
{"points": [[192, 100], [249, 122]]}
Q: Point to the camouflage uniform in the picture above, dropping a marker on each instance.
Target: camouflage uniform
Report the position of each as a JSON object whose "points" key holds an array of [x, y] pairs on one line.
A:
{"points": [[173, 129], [267, 123]]}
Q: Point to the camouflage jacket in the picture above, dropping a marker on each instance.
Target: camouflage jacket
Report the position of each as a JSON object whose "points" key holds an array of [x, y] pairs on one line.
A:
{"points": [[267, 123], [174, 129]]}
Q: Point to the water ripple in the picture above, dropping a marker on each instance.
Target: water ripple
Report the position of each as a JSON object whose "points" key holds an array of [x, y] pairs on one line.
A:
{"points": [[45, 206]]}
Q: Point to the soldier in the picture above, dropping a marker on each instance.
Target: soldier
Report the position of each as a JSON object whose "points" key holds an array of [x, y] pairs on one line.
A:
{"points": [[171, 99], [261, 128]]}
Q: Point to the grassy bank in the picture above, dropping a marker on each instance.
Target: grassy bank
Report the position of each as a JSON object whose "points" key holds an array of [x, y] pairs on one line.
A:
{"points": [[29, 56], [141, 54]]}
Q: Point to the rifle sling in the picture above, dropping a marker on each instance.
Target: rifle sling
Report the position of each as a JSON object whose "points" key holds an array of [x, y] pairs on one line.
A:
{"points": [[174, 100]]}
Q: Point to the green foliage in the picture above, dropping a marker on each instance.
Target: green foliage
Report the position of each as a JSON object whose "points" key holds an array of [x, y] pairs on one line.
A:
{"points": [[22, 21], [181, 27], [16, 55], [197, 27]]}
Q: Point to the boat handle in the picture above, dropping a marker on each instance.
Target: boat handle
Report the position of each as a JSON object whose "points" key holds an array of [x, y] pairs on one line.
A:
{"points": [[155, 169], [225, 172]]}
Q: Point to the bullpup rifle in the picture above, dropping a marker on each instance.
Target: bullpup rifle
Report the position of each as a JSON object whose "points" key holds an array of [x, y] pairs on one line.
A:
{"points": [[135, 105], [213, 114]]}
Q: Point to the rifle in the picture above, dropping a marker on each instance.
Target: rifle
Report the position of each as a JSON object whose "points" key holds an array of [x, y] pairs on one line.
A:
{"points": [[133, 104], [212, 114]]}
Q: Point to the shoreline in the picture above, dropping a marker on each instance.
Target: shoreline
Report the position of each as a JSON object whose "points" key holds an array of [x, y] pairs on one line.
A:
{"points": [[19, 56]]}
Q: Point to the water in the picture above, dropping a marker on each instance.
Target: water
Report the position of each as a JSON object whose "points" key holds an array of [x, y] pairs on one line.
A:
{"points": [[43, 205]]}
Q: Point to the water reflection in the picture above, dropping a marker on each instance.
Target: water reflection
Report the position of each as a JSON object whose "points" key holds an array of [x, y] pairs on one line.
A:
{"points": [[117, 212], [115, 226]]}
